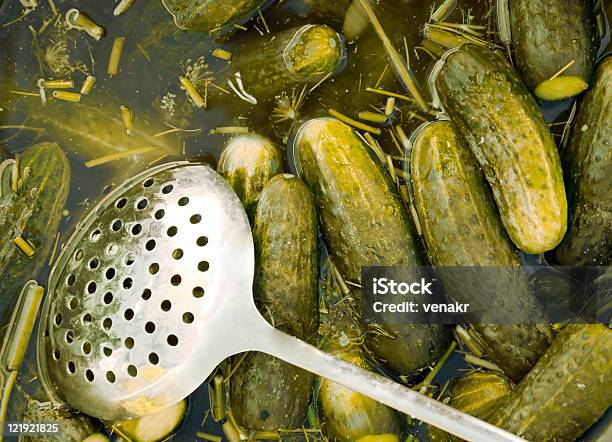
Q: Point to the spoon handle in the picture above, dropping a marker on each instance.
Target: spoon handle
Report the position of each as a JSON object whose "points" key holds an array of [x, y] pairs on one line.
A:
{"points": [[384, 390]]}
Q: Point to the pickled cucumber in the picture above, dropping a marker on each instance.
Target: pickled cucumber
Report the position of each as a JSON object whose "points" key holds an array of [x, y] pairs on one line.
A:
{"points": [[548, 35], [567, 390], [211, 15], [365, 223], [271, 64], [267, 393], [462, 228], [248, 162], [587, 163], [503, 126], [34, 214]]}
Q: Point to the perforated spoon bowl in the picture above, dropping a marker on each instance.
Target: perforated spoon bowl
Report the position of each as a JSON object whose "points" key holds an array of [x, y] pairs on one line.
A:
{"points": [[154, 289]]}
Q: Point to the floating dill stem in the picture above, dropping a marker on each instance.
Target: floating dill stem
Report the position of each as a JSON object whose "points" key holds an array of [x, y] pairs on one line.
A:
{"points": [[128, 121], [344, 288], [563, 69], [391, 168], [192, 92], [479, 362], [231, 428], [55, 244], [263, 20], [443, 38], [115, 57], [173, 130], [389, 94], [396, 142], [434, 50], [208, 437], [88, 85], [469, 342], [373, 117], [158, 159], [27, 94], [380, 77], [15, 175], [356, 124], [229, 130], [222, 54], [24, 245], [122, 7], [71, 97], [452, 37], [241, 27], [144, 53], [443, 11], [75, 19], [120, 155], [405, 76], [56, 84], [422, 387], [53, 8], [375, 147], [218, 409]]}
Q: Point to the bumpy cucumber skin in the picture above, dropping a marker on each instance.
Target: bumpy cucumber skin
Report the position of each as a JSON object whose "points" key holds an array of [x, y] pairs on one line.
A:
{"points": [[365, 223], [266, 393], [296, 56], [587, 162], [349, 416], [247, 163], [549, 34], [567, 390], [461, 228], [74, 427], [208, 15], [35, 213], [503, 126], [478, 393]]}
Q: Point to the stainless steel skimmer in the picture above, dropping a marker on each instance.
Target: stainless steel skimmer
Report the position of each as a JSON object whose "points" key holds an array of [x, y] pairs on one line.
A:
{"points": [[154, 289]]}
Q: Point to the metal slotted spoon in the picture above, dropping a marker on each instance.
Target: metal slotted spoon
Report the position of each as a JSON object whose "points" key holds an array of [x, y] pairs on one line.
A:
{"points": [[154, 290]]}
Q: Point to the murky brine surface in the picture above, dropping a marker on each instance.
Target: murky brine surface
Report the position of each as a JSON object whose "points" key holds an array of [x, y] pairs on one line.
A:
{"points": [[155, 55]]}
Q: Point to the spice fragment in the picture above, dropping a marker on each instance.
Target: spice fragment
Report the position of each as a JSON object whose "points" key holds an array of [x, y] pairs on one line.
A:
{"points": [[88, 85], [72, 97], [119, 155], [115, 57], [24, 245], [222, 54]]}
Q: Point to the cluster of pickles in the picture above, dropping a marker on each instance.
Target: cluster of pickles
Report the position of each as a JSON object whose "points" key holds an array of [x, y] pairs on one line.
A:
{"points": [[483, 182]]}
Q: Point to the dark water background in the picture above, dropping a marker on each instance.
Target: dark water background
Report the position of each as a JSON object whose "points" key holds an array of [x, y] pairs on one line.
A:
{"points": [[94, 128]]}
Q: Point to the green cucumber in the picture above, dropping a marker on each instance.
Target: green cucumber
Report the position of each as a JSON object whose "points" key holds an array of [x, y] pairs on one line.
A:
{"points": [[547, 35], [503, 126], [34, 213], [462, 228], [73, 427], [274, 63], [567, 390], [587, 162], [350, 416], [211, 15], [365, 224], [343, 414], [268, 394], [478, 394], [248, 162], [158, 427]]}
